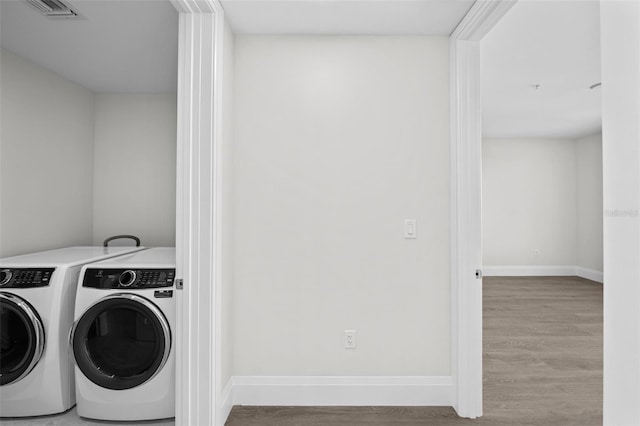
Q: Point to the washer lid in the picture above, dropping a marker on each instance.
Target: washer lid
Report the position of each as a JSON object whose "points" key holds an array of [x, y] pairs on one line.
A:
{"points": [[156, 257], [69, 256]]}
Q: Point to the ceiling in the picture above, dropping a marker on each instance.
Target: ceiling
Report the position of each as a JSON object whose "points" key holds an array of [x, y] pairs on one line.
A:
{"points": [[554, 44], [362, 17], [116, 45], [132, 46]]}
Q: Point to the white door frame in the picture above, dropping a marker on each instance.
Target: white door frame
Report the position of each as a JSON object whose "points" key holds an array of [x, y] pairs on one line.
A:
{"points": [[198, 226], [466, 203]]}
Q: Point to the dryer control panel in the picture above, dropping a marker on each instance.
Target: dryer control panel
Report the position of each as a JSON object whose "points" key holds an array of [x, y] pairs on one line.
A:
{"points": [[141, 279], [25, 277]]}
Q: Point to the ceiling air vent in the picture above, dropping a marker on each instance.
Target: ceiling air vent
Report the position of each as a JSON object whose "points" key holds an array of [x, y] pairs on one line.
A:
{"points": [[53, 8]]}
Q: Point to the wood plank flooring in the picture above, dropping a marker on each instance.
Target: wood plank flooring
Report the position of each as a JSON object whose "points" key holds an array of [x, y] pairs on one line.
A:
{"points": [[542, 364]]}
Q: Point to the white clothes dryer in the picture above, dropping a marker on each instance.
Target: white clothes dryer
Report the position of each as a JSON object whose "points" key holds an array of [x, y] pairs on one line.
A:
{"points": [[37, 295], [123, 337]]}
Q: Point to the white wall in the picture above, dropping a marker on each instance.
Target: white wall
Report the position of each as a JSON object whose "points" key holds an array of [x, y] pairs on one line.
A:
{"points": [[46, 159], [620, 42], [135, 167], [589, 198], [542, 207], [529, 202], [337, 141], [77, 167]]}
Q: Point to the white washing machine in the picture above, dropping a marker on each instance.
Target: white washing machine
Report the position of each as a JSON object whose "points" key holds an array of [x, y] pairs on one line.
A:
{"points": [[37, 295], [123, 337]]}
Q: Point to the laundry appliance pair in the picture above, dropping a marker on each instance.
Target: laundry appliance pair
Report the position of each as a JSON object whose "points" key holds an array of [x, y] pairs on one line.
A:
{"points": [[114, 306], [37, 297]]}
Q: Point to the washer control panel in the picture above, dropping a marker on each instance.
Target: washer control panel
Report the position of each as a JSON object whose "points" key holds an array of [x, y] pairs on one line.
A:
{"points": [[25, 277], [130, 279]]}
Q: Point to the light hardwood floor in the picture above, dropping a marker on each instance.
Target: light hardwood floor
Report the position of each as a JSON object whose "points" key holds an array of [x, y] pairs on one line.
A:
{"points": [[542, 364]]}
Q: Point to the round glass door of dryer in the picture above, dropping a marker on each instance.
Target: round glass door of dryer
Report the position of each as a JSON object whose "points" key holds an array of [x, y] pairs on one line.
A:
{"points": [[21, 338], [121, 342]]}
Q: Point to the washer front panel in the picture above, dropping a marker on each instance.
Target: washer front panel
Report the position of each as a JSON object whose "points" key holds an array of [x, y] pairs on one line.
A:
{"points": [[25, 277], [128, 279]]}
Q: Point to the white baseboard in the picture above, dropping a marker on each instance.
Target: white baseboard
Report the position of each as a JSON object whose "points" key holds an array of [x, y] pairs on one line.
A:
{"points": [[343, 390], [227, 403], [541, 271], [528, 270], [590, 274]]}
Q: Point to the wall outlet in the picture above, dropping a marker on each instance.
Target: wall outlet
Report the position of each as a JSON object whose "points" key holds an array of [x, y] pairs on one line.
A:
{"points": [[350, 339]]}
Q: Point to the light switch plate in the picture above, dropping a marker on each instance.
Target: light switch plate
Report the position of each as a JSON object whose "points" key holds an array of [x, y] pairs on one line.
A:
{"points": [[410, 229]]}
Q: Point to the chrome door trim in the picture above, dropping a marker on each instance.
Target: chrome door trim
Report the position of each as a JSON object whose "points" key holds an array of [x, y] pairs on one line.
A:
{"points": [[166, 330], [36, 322]]}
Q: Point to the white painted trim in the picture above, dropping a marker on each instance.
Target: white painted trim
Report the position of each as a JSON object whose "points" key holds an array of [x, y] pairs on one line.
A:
{"points": [[590, 274], [528, 270], [226, 403], [541, 271], [198, 261], [343, 390], [198, 208], [182, 203], [465, 203], [481, 18]]}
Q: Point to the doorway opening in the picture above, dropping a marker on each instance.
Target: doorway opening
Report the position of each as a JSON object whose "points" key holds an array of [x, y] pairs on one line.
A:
{"points": [[542, 213]]}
